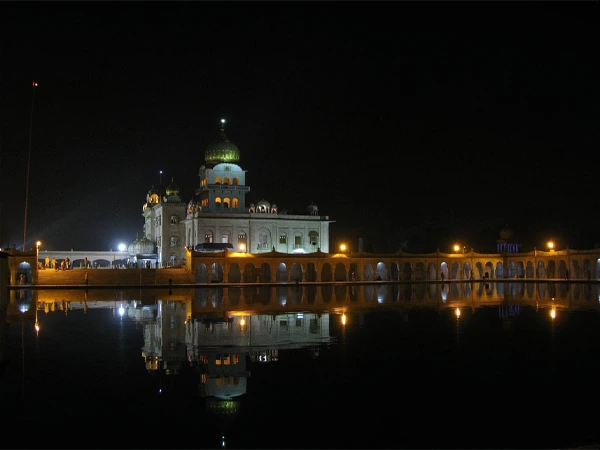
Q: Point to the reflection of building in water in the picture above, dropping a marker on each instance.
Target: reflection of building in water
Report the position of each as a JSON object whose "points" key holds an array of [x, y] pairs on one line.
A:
{"points": [[220, 348]]}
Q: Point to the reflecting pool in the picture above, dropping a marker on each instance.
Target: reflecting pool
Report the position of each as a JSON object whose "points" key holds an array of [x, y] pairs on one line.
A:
{"points": [[385, 365]]}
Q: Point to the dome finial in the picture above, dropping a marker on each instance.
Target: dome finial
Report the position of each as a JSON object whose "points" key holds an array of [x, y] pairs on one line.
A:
{"points": [[223, 127]]}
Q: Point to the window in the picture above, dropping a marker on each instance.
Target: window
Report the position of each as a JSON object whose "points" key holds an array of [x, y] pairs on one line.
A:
{"points": [[208, 237], [174, 220], [283, 239], [297, 241], [234, 203], [218, 201], [224, 238], [173, 241]]}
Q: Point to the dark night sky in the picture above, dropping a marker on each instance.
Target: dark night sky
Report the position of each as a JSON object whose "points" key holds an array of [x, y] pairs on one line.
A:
{"points": [[409, 124]]}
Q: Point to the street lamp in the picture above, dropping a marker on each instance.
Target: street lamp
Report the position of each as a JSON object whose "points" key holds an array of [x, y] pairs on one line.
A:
{"points": [[550, 245], [37, 252], [242, 248], [456, 248], [343, 248]]}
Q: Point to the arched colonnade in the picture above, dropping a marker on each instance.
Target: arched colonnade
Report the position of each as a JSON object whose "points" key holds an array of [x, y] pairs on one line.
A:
{"points": [[319, 267]]}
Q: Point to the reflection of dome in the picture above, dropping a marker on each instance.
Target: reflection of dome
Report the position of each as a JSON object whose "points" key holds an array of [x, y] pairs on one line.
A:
{"points": [[506, 233], [222, 150]]}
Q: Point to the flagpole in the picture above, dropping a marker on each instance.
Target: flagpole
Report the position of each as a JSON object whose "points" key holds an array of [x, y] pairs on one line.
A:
{"points": [[33, 85]]}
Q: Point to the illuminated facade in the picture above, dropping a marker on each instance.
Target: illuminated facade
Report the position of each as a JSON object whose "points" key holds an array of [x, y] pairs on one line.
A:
{"points": [[218, 213]]}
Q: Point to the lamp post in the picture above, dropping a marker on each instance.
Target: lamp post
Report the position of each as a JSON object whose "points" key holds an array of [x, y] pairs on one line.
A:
{"points": [[33, 86], [343, 248], [37, 252]]}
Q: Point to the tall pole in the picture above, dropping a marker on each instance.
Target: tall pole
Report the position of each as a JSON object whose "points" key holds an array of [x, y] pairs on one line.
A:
{"points": [[33, 85]]}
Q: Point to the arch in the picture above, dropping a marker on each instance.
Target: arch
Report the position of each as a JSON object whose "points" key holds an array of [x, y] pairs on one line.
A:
{"points": [[248, 275], [368, 273], [381, 274], [296, 272], [282, 274], [326, 272], [444, 271], [311, 272], [499, 270], [201, 274], [234, 275], [216, 273], [353, 274], [420, 272], [340, 272], [454, 272]]}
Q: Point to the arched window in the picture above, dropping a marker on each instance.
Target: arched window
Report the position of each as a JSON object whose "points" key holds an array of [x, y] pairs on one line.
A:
{"points": [[235, 203], [226, 202], [208, 237], [218, 180], [218, 202], [235, 181], [226, 181]]}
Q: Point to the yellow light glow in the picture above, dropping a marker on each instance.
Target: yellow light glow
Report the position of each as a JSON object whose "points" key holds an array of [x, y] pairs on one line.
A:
{"points": [[242, 322], [553, 313], [343, 247], [344, 319], [457, 312], [456, 247], [242, 248], [550, 245], [38, 244]]}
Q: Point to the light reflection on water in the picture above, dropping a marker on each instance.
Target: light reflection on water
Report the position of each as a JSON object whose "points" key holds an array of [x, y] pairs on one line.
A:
{"points": [[280, 358]]}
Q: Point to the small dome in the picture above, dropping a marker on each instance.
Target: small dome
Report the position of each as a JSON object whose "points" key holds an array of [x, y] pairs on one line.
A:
{"points": [[142, 246], [222, 149], [506, 234], [172, 189], [264, 204]]}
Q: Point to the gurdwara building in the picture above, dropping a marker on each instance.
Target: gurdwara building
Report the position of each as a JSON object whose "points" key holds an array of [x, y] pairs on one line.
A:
{"points": [[217, 216]]}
